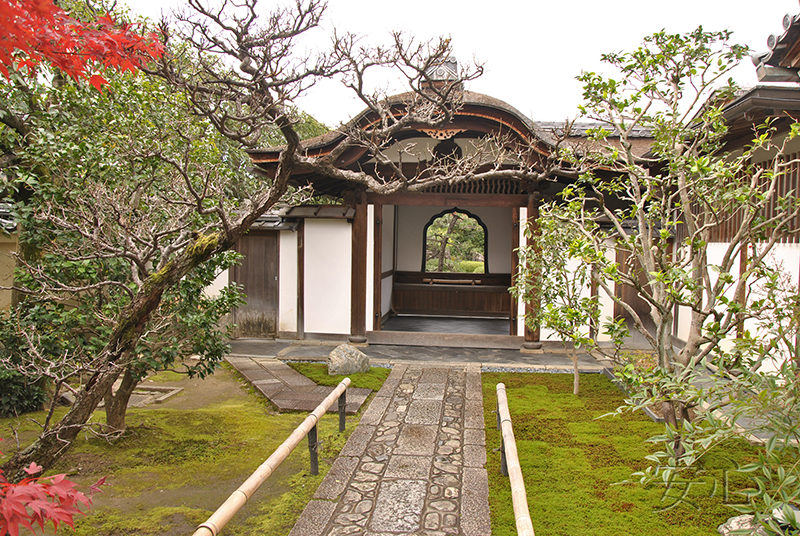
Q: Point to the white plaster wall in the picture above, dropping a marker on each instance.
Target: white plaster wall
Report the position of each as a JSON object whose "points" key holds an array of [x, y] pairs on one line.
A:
{"points": [[8, 245], [327, 276], [606, 302], [785, 257], [498, 222], [422, 148], [211, 290], [411, 224], [386, 295], [684, 314], [550, 335], [523, 217], [387, 259], [287, 281]]}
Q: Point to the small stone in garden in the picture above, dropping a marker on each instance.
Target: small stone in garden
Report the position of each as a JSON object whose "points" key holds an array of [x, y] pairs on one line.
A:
{"points": [[346, 359], [739, 523]]}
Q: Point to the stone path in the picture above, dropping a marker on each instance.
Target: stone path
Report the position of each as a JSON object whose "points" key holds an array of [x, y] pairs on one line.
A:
{"points": [[287, 388], [415, 463]]}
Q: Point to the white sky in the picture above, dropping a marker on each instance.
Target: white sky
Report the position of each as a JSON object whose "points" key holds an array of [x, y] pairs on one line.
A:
{"points": [[531, 50]]}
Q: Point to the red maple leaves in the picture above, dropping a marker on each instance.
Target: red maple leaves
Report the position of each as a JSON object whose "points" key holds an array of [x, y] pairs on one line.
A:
{"points": [[36, 31], [34, 501]]}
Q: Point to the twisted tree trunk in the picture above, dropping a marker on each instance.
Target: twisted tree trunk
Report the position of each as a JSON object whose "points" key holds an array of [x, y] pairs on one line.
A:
{"points": [[116, 404], [114, 358]]}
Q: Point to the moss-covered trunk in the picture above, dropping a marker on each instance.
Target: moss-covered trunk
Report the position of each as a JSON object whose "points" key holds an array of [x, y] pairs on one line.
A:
{"points": [[116, 403], [46, 450]]}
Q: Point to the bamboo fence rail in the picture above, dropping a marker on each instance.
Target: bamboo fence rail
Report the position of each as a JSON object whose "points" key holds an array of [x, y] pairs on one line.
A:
{"points": [[238, 498], [519, 498]]}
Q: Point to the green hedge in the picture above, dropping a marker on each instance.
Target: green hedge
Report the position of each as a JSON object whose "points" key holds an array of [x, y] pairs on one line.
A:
{"points": [[18, 394]]}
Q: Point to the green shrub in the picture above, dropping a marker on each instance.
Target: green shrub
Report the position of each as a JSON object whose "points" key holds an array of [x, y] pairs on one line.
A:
{"points": [[470, 267], [18, 395]]}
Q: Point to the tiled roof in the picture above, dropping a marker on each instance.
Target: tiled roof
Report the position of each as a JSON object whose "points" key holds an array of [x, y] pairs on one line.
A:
{"points": [[782, 48], [581, 130]]}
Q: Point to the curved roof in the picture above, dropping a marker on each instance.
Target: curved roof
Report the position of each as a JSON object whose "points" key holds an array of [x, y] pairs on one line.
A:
{"points": [[474, 106], [476, 115]]}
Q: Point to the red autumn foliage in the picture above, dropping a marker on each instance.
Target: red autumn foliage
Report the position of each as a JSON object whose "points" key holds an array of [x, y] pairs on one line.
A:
{"points": [[35, 501], [36, 31]]}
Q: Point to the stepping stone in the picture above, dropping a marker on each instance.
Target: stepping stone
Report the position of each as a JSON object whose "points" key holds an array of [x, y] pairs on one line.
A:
{"points": [[289, 390]]}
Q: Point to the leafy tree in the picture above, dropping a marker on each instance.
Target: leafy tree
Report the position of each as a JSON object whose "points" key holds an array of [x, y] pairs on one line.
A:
{"points": [[102, 199], [661, 209], [39, 31], [451, 240], [556, 272], [658, 212]]}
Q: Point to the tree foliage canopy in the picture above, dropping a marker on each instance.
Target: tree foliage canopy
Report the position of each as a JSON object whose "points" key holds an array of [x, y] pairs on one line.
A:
{"points": [[654, 224], [39, 31]]}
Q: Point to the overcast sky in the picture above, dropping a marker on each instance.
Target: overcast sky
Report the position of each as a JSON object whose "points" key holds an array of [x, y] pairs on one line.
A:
{"points": [[531, 50]]}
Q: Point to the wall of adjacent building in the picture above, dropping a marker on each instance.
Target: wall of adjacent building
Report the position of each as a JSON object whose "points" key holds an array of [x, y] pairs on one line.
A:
{"points": [[8, 245], [287, 281], [387, 259]]}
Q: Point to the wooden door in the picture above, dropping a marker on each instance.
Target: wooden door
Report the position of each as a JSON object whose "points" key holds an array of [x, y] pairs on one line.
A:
{"points": [[258, 276]]}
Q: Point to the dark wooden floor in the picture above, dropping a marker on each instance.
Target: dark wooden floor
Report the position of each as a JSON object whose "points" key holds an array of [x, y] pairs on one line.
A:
{"points": [[440, 324]]}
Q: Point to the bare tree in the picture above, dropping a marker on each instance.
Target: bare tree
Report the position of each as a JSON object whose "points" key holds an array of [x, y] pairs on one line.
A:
{"points": [[187, 197]]}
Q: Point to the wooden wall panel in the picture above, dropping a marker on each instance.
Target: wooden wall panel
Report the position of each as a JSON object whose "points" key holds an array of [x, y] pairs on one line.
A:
{"points": [[258, 275], [428, 293]]}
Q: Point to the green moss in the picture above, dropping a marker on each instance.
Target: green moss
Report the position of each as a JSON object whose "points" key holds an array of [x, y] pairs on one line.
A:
{"points": [[319, 374], [573, 464], [203, 244], [151, 521], [174, 467], [167, 376]]}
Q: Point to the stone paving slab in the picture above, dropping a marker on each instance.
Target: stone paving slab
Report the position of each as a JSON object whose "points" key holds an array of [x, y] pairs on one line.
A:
{"points": [[289, 390], [553, 358], [413, 466]]}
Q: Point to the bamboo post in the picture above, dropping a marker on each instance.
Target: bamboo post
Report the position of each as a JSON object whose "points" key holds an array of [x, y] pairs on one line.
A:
{"points": [[503, 461], [518, 496], [342, 406], [238, 498], [312, 450]]}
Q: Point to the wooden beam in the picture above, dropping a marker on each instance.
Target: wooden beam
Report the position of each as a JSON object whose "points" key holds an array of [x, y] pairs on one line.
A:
{"points": [[301, 281], [450, 200], [358, 279], [532, 336], [377, 268]]}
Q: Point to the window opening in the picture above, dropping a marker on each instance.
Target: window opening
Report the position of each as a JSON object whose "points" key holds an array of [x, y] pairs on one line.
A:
{"points": [[455, 241]]}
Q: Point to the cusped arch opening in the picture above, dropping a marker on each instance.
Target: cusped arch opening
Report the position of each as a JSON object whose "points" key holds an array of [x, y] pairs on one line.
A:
{"points": [[455, 241]]}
